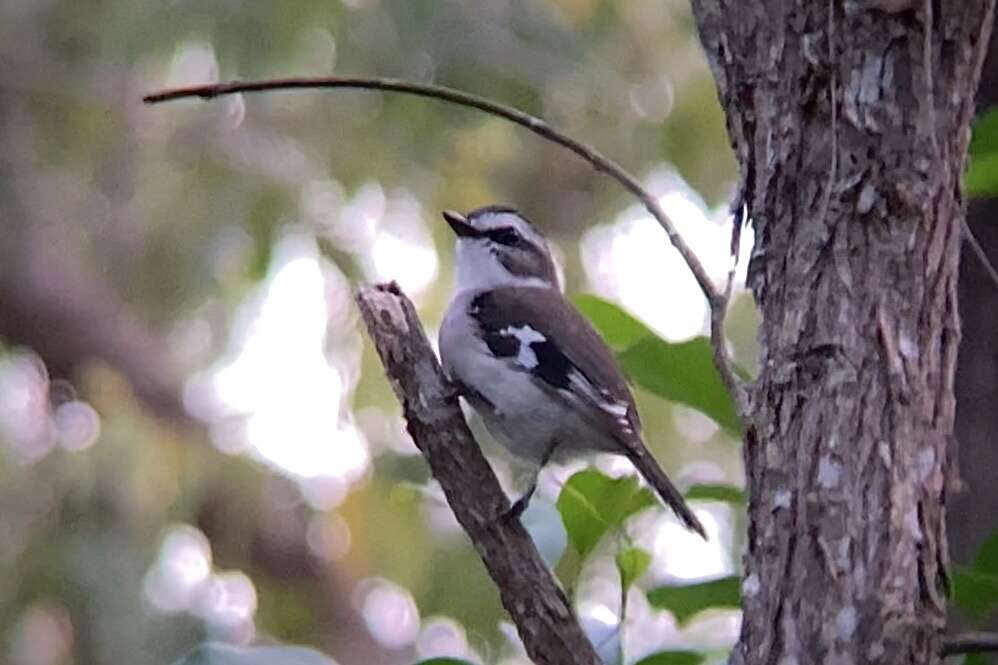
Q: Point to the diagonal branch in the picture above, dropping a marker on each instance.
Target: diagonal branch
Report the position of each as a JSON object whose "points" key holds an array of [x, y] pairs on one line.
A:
{"points": [[537, 605], [970, 643], [717, 299]]}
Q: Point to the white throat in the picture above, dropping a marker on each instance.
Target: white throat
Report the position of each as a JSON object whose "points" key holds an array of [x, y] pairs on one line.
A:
{"points": [[478, 269]]}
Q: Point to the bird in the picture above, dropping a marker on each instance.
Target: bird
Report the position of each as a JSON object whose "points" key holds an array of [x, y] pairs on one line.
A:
{"points": [[543, 381]]}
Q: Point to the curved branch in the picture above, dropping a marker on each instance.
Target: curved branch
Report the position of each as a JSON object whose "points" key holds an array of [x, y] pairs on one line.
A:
{"points": [[537, 605], [716, 298]]}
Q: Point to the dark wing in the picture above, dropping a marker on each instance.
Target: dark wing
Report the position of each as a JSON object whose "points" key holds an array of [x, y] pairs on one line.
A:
{"points": [[541, 333]]}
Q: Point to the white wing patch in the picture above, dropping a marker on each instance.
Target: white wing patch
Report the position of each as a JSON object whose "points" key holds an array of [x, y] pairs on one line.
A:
{"points": [[615, 409], [602, 400], [526, 335], [619, 411]]}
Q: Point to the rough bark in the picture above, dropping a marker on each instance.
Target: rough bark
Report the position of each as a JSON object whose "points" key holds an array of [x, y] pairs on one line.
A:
{"points": [[851, 127], [536, 604]]}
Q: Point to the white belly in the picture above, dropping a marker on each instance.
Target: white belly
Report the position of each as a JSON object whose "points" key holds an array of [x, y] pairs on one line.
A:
{"points": [[523, 417]]}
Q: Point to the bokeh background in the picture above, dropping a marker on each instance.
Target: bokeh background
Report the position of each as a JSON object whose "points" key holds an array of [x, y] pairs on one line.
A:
{"points": [[196, 440]]}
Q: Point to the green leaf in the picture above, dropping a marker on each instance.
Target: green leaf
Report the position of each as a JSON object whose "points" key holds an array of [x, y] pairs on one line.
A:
{"points": [[618, 328], [975, 592], [686, 600], [987, 556], [984, 140], [981, 178], [682, 372], [213, 653], [724, 493], [632, 562], [591, 504], [569, 568], [673, 658]]}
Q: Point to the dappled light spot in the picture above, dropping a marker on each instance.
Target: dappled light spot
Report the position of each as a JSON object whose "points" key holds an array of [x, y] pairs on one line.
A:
{"points": [[413, 264], [181, 579], [235, 110], [352, 225], [386, 232], [77, 425], [280, 384], [321, 201], [315, 51], [181, 571], [652, 99], [389, 612], [694, 425], [400, 246], [442, 637], [686, 556], [328, 536], [42, 635], [227, 606], [385, 432], [36, 415], [632, 261], [194, 62], [25, 424], [324, 492]]}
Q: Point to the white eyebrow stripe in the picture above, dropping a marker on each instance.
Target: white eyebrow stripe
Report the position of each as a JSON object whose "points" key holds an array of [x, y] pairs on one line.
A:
{"points": [[496, 220], [526, 335]]}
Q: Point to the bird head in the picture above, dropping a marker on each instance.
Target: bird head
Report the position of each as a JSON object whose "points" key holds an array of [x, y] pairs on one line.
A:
{"points": [[496, 247]]}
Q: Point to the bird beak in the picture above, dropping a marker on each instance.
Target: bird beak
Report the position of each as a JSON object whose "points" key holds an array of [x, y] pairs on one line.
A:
{"points": [[459, 223]]}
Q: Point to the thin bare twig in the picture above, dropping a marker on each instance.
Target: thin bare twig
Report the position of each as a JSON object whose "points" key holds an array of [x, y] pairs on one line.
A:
{"points": [[930, 102], [542, 614], [716, 298], [970, 643], [978, 250]]}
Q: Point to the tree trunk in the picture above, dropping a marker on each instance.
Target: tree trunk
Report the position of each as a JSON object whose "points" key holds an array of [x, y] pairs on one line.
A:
{"points": [[850, 123], [974, 510]]}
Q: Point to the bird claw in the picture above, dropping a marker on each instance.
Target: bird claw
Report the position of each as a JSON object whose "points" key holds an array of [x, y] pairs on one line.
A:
{"points": [[519, 506]]}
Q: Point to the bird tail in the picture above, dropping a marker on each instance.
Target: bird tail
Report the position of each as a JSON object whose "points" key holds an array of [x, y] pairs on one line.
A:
{"points": [[656, 477]]}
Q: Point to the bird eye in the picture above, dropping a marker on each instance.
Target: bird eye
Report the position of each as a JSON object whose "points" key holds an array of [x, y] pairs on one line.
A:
{"points": [[506, 237]]}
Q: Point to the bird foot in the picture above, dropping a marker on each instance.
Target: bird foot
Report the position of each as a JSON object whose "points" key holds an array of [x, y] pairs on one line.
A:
{"points": [[518, 507]]}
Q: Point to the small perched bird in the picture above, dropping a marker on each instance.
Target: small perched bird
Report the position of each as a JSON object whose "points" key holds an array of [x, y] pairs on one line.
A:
{"points": [[529, 363]]}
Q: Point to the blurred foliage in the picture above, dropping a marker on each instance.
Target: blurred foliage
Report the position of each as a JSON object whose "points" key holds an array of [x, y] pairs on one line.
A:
{"points": [[725, 493], [686, 600], [975, 592], [223, 654], [981, 178], [143, 247], [673, 658], [975, 588], [682, 372]]}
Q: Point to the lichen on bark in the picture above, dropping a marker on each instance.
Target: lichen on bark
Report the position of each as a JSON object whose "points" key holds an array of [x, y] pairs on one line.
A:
{"points": [[851, 125]]}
